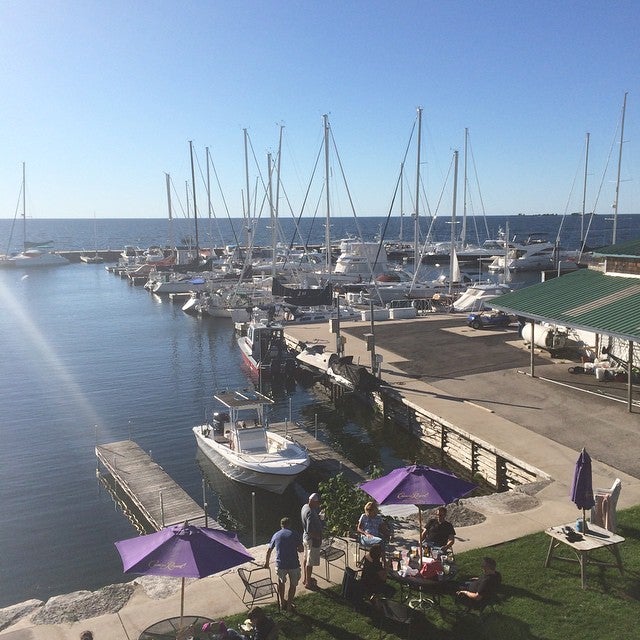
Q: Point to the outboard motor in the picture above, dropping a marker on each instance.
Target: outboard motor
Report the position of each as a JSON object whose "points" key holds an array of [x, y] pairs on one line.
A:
{"points": [[219, 419]]}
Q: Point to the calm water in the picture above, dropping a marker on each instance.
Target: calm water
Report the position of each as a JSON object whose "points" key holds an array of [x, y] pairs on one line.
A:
{"points": [[84, 356], [115, 233]]}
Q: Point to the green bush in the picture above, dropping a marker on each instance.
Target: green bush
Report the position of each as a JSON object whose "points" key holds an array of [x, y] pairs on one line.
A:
{"points": [[343, 503]]}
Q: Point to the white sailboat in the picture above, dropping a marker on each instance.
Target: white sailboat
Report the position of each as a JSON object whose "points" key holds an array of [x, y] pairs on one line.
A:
{"points": [[34, 254], [96, 258]]}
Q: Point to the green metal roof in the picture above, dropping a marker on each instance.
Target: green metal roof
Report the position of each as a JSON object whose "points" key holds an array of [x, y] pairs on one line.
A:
{"points": [[585, 299], [625, 249]]}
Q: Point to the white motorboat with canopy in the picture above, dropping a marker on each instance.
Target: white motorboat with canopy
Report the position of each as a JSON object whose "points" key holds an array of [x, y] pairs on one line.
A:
{"points": [[239, 442]]}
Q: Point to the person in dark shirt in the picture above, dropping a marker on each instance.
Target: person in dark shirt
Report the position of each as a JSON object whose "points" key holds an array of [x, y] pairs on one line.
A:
{"points": [[479, 590], [263, 626], [374, 575], [438, 532]]}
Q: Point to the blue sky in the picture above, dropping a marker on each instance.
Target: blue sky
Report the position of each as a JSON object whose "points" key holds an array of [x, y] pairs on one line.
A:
{"points": [[101, 98]]}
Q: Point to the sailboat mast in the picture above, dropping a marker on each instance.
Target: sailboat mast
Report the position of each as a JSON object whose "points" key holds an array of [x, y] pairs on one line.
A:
{"points": [[168, 186], [401, 200], [452, 260], [209, 200], [249, 222], [195, 208], [24, 207], [246, 176], [615, 203], [276, 204], [271, 215], [463, 234], [416, 226], [327, 231], [584, 190]]}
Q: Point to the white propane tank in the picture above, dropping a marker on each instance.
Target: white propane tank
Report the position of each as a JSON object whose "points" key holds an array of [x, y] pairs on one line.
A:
{"points": [[544, 337]]}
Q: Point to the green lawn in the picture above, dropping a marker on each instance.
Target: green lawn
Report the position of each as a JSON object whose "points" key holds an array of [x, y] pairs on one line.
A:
{"points": [[537, 602]]}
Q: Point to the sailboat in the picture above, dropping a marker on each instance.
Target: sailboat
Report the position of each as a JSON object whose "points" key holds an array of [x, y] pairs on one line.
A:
{"points": [[96, 258], [34, 254]]}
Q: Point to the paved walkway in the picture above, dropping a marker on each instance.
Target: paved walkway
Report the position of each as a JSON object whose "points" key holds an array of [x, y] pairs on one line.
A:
{"points": [[485, 402]]}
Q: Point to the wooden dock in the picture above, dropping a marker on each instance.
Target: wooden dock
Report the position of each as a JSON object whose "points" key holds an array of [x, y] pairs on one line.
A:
{"points": [[151, 490], [328, 461]]}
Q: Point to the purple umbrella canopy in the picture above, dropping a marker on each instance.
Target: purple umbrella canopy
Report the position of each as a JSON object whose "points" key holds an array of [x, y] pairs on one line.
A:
{"points": [[419, 485], [582, 488], [182, 551]]}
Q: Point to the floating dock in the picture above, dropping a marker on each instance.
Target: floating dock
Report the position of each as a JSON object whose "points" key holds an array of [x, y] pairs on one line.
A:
{"points": [[150, 489], [328, 461]]}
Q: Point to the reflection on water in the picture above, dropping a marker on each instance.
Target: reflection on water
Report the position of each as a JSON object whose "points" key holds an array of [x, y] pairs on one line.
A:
{"points": [[234, 504]]}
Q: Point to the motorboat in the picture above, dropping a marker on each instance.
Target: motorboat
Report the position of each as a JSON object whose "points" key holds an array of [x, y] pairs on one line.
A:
{"points": [[239, 442], [35, 255], [164, 283], [315, 358], [264, 348], [358, 261], [321, 313], [87, 258], [535, 254], [340, 369], [477, 296]]}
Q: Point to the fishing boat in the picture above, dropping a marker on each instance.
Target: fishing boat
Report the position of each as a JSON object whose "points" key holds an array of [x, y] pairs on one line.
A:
{"points": [[239, 442], [264, 348]]}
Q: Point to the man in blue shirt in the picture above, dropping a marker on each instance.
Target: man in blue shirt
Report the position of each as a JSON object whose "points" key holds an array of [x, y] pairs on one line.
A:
{"points": [[288, 544]]}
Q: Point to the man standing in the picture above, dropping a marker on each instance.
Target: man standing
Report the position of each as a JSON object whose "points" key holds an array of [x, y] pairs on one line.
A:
{"points": [[438, 532], [288, 544], [312, 538]]}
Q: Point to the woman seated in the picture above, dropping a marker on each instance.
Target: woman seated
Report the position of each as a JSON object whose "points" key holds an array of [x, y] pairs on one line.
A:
{"points": [[371, 527], [374, 575]]}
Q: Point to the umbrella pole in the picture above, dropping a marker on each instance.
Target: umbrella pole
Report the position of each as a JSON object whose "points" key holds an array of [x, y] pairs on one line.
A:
{"points": [[420, 536], [181, 603]]}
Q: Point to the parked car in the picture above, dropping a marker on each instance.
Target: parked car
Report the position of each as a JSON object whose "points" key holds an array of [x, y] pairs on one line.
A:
{"points": [[484, 319]]}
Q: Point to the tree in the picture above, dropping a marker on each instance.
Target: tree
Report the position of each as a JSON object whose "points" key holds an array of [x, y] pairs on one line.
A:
{"points": [[342, 503]]}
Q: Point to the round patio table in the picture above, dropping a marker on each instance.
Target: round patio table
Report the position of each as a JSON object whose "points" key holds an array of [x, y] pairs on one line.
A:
{"points": [[190, 628]]}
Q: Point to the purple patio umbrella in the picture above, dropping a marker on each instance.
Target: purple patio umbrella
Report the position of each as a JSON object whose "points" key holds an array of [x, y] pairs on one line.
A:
{"points": [[582, 488], [419, 485], [182, 551]]}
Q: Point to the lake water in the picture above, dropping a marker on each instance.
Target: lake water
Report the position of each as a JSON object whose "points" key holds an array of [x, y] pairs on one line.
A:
{"points": [[87, 358]]}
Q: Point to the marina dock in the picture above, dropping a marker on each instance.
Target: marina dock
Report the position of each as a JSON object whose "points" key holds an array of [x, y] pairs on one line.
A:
{"points": [[151, 490], [325, 459]]}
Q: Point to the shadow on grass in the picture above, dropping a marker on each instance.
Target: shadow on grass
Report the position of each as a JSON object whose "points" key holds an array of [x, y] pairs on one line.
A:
{"points": [[491, 626], [290, 626]]}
